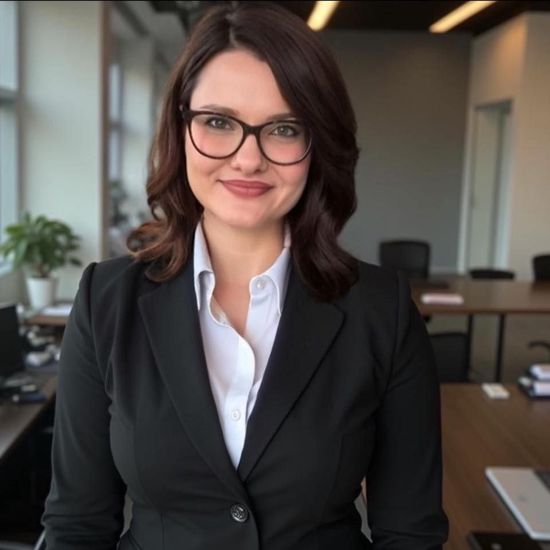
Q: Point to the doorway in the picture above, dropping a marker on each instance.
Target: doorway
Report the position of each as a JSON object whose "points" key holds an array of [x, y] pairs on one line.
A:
{"points": [[487, 238]]}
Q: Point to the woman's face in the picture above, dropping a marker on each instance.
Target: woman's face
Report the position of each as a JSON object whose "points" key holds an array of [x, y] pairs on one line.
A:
{"points": [[244, 191]]}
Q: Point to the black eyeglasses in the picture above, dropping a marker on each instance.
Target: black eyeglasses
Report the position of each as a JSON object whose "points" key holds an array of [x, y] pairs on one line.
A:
{"points": [[220, 136]]}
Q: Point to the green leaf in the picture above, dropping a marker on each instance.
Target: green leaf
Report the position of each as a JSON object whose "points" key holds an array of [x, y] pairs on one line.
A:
{"points": [[40, 244]]}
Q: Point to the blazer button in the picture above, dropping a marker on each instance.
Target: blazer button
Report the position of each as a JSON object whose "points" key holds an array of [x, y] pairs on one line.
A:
{"points": [[239, 513]]}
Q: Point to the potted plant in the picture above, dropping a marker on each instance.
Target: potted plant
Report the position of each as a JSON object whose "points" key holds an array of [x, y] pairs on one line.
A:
{"points": [[40, 245]]}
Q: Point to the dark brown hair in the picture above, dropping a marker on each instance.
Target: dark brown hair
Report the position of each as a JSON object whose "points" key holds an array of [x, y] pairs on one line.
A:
{"points": [[312, 85]]}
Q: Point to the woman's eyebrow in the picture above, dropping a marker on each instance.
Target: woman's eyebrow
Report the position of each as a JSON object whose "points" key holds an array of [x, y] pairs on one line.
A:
{"points": [[231, 112], [218, 109]]}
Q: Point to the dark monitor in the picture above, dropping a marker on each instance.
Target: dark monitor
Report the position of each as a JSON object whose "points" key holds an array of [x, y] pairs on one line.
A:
{"points": [[11, 349]]}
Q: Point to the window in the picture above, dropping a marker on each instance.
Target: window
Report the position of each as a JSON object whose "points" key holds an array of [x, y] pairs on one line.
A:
{"points": [[9, 88], [115, 121]]}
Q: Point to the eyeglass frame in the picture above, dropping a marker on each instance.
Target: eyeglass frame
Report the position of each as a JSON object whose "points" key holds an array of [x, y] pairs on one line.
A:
{"points": [[248, 129]]}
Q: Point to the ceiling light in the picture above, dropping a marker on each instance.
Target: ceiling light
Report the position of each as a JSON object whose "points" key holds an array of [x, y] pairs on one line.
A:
{"points": [[457, 16], [322, 12]]}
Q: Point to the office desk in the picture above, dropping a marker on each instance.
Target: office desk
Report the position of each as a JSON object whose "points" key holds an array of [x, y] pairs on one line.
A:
{"points": [[17, 420], [480, 432], [47, 320], [496, 297]]}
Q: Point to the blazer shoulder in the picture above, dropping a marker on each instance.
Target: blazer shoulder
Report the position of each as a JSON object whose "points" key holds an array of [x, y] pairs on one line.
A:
{"points": [[379, 293], [108, 280], [376, 274], [378, 282], [113, 269]]}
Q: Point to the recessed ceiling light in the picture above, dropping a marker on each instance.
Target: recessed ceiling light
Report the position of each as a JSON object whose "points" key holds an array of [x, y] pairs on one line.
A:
{"points": [[322, 12], [460, 14]]}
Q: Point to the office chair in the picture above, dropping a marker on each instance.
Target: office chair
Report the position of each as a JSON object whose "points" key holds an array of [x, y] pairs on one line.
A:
{"points": [[451, 356], [541, 267], [411, 257], [39, 545], [490, 273], [540, 344]]}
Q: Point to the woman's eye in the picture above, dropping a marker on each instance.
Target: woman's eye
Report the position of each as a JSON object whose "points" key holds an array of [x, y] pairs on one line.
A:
{"points": [[286, 130], [219, 123]]}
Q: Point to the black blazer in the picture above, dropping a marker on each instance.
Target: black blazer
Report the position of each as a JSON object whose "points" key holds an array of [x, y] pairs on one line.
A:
{"points": [[350, 390]]}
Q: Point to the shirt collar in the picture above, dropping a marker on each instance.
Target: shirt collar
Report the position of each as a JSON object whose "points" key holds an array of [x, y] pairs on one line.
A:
{"points": [[201, 261], [278, 272]]}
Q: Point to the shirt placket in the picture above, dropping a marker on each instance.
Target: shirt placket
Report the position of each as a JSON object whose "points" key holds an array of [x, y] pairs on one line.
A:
{"points": [[237, 399]]}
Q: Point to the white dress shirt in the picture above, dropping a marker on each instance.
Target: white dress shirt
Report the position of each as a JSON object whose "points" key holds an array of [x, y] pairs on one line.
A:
{"points": [[236, 364]]}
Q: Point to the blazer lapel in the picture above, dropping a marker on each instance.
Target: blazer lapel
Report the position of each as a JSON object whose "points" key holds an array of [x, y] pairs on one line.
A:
{"points": [[172, 324], [306, 331]]}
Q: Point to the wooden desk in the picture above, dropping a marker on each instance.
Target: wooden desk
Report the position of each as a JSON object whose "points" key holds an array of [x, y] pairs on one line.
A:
{"points": [[489, 296], [496, 297], [16, 420], [47, 320], [480, 432]]}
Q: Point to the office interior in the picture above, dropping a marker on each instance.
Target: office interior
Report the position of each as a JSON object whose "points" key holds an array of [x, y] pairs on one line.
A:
{"points": [[453, 128], [439, 116]]}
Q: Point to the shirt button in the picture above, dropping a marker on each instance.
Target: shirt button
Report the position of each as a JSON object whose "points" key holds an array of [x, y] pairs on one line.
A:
{"points": [[239, 513], [260, 284], [235, 414]]}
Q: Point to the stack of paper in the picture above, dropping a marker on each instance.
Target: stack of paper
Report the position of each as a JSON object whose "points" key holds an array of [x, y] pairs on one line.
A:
{"points": [[534, 387], [443, 298], [61, 310], [540, 371]]}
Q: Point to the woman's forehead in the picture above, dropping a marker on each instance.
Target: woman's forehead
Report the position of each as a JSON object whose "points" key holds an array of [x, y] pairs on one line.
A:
{"points": [[241, 84]]}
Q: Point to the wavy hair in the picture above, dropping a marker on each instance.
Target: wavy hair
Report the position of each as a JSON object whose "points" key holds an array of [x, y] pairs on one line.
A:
{"points": [[311, 83]]}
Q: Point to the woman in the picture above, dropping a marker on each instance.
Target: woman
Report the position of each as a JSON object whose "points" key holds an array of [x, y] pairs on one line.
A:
{"points": [[242, 374]]}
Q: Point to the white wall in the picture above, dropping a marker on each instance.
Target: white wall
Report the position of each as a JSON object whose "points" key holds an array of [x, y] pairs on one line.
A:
{"points": [[512, 63], [409, 92], [530, 216], [497, 61], [61, 61]]}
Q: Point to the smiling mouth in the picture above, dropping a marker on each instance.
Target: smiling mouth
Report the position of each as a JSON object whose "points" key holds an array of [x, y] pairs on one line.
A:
{"points": [[246, 188]]}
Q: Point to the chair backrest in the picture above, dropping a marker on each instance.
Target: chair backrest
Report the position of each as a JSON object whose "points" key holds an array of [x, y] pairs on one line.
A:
{"points": [[41, 542], [411, 257], [490, 273], [39, 545], [541, 267], [451, 356]]}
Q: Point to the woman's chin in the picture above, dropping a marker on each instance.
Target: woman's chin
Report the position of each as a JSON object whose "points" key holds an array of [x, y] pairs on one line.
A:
{"points": [[240, 222]]}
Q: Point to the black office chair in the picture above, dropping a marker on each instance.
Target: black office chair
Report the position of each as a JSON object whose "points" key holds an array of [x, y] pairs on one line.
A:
{"points": [[541, 267], [451, 356], [39, 545], [411, 257], [541, 271], [490, 273], [540, 344]]}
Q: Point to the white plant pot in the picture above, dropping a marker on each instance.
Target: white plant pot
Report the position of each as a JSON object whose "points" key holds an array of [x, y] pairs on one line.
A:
{"points": [[41, 291]]}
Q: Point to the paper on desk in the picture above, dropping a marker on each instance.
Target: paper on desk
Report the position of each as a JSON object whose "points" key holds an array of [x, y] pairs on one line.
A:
{"points": [[535, 387], [61, 310], [541, 388], [540, 371], [444, 298]]}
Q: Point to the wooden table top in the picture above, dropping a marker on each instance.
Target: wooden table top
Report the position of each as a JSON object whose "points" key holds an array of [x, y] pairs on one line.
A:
{"points": [[488, 296], [16, 420], [480, 432], [47, 320]]}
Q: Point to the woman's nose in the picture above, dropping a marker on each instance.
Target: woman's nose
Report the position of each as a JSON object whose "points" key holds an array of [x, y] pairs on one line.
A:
{"points": [[249, 157]]}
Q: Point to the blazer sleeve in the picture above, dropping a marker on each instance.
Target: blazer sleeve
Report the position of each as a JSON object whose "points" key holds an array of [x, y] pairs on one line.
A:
{"points": [[404, 478], [86, 498]]}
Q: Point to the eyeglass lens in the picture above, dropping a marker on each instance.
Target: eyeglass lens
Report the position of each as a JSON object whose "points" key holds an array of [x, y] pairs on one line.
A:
{"points": [[283, 142]]}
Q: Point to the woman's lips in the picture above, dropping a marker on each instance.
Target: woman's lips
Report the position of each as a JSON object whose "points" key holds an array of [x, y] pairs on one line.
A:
{"points": [[246, 188]]}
